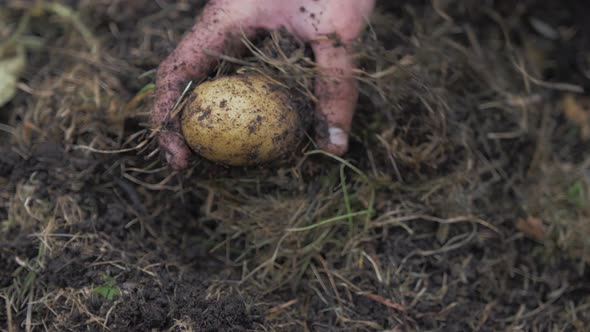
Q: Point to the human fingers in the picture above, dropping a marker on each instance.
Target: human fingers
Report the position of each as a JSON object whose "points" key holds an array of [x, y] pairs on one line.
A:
{"points": [[191, 60], [337, 94]]}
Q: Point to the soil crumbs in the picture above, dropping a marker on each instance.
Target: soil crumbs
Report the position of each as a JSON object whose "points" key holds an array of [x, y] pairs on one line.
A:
{"points": [[463, 203]]}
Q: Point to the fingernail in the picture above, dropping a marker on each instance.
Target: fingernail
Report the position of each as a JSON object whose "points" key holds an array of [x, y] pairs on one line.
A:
{"points": [[338, 137]]}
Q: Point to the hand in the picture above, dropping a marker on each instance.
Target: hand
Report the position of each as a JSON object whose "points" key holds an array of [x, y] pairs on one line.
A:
{"points": [[318, 22]]}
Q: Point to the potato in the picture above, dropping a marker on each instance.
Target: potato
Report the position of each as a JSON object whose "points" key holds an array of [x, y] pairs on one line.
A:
{"points": [[240, 120]]}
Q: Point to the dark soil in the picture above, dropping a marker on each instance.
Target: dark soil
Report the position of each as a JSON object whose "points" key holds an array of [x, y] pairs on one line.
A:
{"points": [[154, 299], [421, 228]]}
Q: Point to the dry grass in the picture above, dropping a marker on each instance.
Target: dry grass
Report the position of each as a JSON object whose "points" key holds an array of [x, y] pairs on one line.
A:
{"points": [[456, 137]]}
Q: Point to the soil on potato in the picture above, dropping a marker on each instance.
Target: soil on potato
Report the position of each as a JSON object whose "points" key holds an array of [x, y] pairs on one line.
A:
{"points": [[463, 203]]}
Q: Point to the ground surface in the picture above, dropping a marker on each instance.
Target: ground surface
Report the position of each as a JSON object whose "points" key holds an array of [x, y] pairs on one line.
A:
{"points": [[463, 203]]}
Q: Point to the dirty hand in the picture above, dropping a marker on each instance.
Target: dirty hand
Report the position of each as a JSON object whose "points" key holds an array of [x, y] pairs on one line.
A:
{"points": [[328, 25]]}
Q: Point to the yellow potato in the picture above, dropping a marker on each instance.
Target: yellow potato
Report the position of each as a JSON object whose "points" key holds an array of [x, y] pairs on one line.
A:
{"points": [[240, 120]]}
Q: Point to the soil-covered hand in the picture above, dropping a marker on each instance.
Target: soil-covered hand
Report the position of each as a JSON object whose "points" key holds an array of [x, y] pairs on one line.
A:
{"points": [[329, 26]]}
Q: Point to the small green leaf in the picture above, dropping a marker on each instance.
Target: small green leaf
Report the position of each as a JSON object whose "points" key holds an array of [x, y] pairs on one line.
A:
{"points": [[147, 87], [576, 194], [108, 290]]}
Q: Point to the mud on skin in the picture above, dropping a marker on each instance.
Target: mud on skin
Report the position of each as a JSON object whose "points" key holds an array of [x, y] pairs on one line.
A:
{"points": [[337, 96]]}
